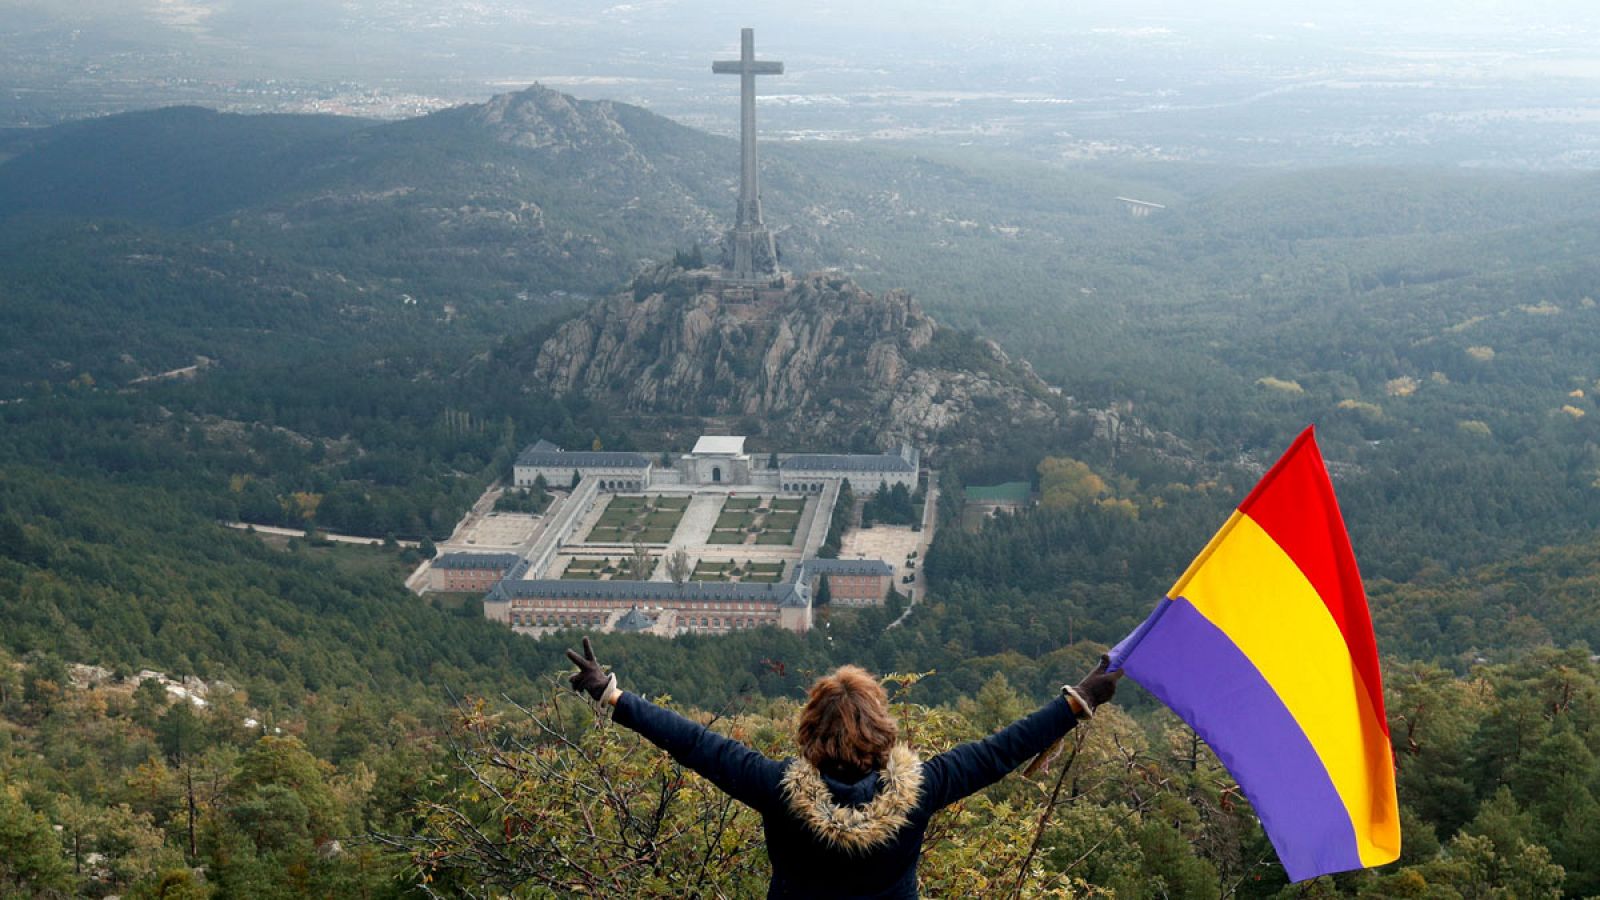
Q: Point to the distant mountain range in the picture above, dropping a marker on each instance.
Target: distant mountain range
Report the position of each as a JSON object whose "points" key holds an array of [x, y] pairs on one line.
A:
{"points": [[131, 244], [467, 221], [552, 182]]}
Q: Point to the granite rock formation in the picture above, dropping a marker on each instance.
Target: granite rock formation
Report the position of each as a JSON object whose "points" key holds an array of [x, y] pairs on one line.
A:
{"points": [[816, 359]]}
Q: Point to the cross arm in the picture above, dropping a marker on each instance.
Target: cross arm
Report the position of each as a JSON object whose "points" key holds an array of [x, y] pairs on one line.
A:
{"points": [[737, 67]]}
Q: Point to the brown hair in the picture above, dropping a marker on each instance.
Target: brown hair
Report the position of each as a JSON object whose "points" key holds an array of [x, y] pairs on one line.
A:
{"points": [[845, 726]]}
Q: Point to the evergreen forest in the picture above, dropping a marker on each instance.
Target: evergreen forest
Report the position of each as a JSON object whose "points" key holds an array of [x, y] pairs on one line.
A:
{"points": [[326, 324]]}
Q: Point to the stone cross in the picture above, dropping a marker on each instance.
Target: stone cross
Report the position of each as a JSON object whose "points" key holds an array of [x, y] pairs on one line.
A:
{"points": [[753, 252]]}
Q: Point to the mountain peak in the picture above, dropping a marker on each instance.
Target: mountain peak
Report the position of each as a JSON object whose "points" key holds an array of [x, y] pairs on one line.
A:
{"points": [[538, 118]]}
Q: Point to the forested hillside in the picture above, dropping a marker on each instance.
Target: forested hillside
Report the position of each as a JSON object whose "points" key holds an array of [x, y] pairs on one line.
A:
{"points": [[370, 301], [111, 790], [478, 220]]}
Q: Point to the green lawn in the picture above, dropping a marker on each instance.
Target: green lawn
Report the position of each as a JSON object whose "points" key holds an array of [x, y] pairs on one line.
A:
{"points": [[733, 570], [773, 527], [350, 559], [646, 519]]}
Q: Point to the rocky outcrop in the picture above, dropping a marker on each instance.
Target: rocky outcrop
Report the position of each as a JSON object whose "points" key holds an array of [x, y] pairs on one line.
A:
{"points": [[816, 359]]}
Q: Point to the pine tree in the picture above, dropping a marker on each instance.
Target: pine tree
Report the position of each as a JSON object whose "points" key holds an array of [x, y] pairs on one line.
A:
{"points": [[31, 863]]}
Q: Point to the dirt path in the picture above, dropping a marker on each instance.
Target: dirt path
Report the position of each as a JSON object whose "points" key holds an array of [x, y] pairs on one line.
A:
{"points": [[299, 532]]}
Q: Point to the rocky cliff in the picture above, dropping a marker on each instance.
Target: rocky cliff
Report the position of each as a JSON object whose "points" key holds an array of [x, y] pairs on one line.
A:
{"points": [[816, 359]]}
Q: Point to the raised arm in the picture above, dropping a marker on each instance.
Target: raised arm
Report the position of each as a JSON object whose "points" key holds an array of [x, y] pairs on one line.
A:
{"points": [[742, 773], [973, 766]]}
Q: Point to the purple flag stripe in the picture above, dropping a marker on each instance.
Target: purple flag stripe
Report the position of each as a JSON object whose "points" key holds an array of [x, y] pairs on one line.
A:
{"points": [[1192, 667], [1128, 644]]}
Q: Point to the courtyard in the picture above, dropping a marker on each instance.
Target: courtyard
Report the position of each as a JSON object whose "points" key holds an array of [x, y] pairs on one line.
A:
{"points": [[499, 531], [890, 543], [605, 568], [763, 521], [748, 571], [725, 536], [635, 518]]}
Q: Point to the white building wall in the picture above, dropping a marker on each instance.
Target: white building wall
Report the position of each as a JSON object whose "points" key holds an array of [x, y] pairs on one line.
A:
{"points": [[860, 482], [630, 478], [733, 470]]}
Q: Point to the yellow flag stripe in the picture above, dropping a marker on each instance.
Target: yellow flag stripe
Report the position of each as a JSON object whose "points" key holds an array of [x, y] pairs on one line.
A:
{"points": [[1249, 588]]}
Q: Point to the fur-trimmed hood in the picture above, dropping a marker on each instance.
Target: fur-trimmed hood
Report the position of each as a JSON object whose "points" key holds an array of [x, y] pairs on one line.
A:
{"points": [[856, 828]]}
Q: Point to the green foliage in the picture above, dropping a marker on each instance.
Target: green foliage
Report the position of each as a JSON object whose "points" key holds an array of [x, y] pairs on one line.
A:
{"points": [[958, 351], [143, 581], [178, 165], [550, 800], [1066, 483], [890, 506], [365, 331], [94, 804], [690, 259], [30, 857], [843, 513]]}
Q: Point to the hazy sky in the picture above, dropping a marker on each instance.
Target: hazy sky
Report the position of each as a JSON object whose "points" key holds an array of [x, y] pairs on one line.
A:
{"points": [[235, 20], [1482, 64]]}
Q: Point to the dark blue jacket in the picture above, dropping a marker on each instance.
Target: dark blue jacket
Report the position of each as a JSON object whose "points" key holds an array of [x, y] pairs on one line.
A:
{"points": [[803, 863]]}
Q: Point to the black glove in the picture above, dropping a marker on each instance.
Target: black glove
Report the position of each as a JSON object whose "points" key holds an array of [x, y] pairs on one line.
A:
{"points": [[590, 678], [1096, 688]]}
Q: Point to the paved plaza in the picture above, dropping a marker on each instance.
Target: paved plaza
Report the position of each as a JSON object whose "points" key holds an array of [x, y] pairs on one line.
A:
{"points": [[890, 543], [695, 529], [497, 531]]}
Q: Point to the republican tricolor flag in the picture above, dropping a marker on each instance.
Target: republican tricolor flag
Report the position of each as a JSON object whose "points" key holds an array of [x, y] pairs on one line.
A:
{"points": [[1265, 648]]}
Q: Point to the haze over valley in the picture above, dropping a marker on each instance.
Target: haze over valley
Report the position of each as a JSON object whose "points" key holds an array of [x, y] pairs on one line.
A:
{"points": [[1480, 84]]}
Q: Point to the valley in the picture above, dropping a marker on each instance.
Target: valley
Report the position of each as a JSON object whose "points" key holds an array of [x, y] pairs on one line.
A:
{"points": [[392, 314]]}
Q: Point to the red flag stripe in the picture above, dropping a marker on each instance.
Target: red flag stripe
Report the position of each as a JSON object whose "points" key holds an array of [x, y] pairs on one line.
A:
{"points": [[1294, 504]]}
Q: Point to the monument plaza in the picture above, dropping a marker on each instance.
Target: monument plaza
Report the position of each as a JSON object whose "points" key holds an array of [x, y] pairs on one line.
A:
{"points": [[709, 541]]}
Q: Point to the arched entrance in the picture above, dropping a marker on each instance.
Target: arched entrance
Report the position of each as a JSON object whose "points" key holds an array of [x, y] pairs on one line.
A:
{"points": [[716, 474]]}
